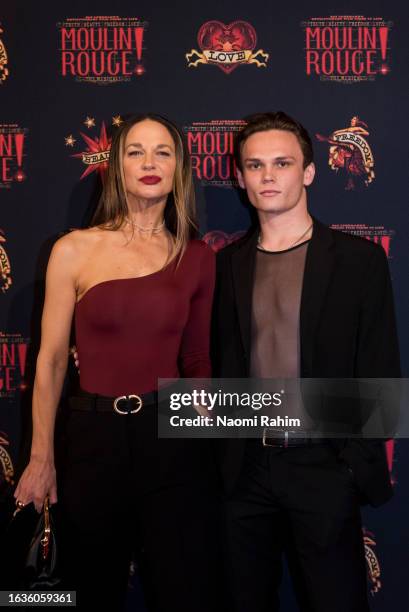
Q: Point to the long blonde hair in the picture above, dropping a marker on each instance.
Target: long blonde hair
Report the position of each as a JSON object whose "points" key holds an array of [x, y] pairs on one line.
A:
{"points": [[180, 209]]}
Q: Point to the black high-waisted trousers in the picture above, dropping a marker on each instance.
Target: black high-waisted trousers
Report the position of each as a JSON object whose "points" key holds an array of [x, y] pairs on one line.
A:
{"points": [[125, 494]]}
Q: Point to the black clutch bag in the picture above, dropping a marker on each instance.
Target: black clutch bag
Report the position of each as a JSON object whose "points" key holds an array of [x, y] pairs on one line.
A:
{"points": [[31, 550], [41, 562]]}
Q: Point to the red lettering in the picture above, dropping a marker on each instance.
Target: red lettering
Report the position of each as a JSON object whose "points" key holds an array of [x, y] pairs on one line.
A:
{"points": [[96, 39], [384, 241], [370, 58], [341, 62], [342, 69], [327, 38], [312, 36], [194, 140], [113, 67], [125, 37], [8, 354], [6, 144], [98, 63], [22, 356], [208, 143], [209, 168], [68, 61], [82, 39], [226, 139], [196, 165], [327, 62], [369, 38], [340, 38], [357, 63], [7, 379], [126, 58], [67, 36], [361, 38], [83, 64], [6, 175], [224, 167], [312, 61]]}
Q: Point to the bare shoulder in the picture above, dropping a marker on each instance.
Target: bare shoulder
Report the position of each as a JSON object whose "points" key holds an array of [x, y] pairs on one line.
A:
{"points": [[70, 251], [77, 243]]}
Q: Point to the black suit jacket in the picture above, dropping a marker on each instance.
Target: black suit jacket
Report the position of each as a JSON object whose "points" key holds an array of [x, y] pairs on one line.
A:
{"points": [[347, 330]]}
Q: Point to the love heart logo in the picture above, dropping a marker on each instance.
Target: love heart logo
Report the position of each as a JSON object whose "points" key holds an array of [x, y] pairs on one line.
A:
{"points": [[216, 239], [227, 46]]}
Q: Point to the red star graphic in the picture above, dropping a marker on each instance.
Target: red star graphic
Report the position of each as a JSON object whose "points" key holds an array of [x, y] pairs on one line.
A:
{"points": [[96, 145]]}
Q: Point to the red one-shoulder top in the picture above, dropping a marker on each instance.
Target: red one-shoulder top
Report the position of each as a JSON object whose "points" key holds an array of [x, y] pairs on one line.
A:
{"points": [[132, 331]]}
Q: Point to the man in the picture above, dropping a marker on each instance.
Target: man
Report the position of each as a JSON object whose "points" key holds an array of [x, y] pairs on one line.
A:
{"points": [[297, 299]]}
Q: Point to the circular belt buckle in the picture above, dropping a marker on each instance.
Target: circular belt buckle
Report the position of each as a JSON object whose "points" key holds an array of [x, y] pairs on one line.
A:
{"points": [[279, 441], [139, 404]]}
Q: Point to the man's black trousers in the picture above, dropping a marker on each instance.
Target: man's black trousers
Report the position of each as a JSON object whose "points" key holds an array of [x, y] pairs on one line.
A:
{"points": [[302, 502]]}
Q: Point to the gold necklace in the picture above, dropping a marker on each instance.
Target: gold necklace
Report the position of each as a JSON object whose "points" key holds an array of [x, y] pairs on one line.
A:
{"points": [[143, 228], [259, 245]]}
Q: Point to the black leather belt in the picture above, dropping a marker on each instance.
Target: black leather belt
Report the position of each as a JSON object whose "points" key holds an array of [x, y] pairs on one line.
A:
{"points": [[123, 404], [281, 438]]}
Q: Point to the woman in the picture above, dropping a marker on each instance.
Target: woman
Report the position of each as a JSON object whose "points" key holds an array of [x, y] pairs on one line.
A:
{"points": [[141, 290]]}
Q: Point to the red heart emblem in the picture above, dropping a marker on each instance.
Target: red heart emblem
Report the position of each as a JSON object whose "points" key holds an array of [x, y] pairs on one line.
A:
{"points": [[237, 36], [217, 239]]}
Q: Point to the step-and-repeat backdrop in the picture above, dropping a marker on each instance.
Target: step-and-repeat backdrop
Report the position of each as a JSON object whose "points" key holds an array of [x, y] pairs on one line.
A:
{"points": [[71, 71]]}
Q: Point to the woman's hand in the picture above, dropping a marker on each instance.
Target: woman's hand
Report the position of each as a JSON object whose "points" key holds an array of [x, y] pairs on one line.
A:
{"points": [[37, 480]]}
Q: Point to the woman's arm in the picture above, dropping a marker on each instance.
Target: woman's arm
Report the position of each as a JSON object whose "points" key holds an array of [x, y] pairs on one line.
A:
{"points": [[39, 479], [195, 346]]}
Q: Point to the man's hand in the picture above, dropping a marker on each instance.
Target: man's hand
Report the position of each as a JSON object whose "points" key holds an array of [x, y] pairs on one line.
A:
{"points": [[73, 352]]}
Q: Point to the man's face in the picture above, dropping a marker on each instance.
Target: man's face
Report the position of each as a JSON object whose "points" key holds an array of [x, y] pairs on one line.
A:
{"points": [[273, 173]]}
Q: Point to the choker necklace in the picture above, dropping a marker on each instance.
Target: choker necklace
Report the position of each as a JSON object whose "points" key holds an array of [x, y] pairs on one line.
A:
{"points": [[143, 228], [291, 245]]}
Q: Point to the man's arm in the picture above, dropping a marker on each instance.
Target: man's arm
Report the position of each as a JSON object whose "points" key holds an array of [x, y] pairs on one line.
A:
{"points": [[377, 354]]}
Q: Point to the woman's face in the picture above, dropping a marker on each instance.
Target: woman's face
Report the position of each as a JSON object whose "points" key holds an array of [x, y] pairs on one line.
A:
{"points": [[149, 161]]}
